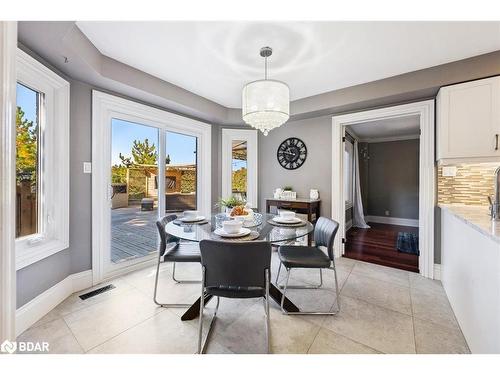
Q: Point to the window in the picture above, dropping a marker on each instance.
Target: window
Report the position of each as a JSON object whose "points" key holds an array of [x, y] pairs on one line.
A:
{"points": [[42, 161], [239, 169], [27, 156], [348, 173], [239, 164]]}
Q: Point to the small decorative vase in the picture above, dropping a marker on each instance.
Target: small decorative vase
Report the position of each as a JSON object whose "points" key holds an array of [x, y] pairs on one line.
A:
{"points": [[314, 194], [277, 193]]}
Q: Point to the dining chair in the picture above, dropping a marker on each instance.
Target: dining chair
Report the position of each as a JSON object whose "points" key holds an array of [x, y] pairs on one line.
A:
{"points": [[172, 250], [234, 270], [311, 257]]}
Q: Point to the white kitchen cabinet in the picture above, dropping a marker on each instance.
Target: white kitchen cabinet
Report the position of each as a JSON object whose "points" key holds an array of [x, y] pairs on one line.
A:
{"points": [[468, 121]]}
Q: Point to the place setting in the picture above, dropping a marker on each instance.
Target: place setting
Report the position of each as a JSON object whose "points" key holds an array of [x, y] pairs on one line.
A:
{"points": [[191, 217], [233, 230], [287, 219]]}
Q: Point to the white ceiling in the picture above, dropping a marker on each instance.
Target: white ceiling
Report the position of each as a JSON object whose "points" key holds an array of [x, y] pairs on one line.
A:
{"points": [[215, 59], [393, 128]]}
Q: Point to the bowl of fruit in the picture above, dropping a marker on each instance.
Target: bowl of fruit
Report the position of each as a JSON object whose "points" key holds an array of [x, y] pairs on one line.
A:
{"points": [[241, 213]]}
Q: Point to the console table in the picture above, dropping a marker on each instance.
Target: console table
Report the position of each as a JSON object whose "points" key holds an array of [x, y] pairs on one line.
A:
{"points": [[305, 206]]}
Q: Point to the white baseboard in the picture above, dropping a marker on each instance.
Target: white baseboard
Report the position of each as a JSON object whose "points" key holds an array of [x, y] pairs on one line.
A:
{"points": [[348, 225], [437, 271], [34, 310], [392, 220]]}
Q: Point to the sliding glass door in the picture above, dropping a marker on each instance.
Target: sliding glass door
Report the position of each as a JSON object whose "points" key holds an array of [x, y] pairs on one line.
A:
{"points": [[134, 190], [145, 164]]}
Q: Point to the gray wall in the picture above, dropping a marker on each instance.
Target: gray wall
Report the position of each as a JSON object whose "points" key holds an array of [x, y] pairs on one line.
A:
{"points": [[315, 173], [389, 180], [40, 276]]}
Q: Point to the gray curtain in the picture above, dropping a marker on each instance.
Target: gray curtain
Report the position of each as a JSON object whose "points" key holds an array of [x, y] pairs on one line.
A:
{"points": [[358, 217]]}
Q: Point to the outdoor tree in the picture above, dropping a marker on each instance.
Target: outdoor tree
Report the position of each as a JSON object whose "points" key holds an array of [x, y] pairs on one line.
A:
{"points": [[240, 180], [144, 153], [26, 147]]}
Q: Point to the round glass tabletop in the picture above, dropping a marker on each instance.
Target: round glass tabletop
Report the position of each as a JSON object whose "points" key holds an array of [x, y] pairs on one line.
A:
{"points": [[261, 223]]}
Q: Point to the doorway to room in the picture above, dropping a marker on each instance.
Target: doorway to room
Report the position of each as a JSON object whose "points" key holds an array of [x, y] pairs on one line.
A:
{"points": [[381, 188], [375, 118]]}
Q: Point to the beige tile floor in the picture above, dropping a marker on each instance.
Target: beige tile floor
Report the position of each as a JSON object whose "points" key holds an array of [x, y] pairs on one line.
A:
{"points": [[383, 310]]}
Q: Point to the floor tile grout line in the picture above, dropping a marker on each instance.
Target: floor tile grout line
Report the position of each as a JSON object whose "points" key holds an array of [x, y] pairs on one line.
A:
{"points": [[159, 311], [314, 339], [413, 323], [73, 334], [330, 329]]}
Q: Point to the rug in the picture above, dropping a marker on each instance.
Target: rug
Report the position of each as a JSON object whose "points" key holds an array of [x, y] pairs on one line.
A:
{"points": [[408, 243]]}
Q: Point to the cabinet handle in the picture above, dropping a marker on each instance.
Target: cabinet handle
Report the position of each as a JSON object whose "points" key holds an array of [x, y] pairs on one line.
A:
{"points": [[496, 142]]}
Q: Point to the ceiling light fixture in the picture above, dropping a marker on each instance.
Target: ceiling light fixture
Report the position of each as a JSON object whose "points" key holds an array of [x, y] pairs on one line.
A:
{"points": [[266, 103]]}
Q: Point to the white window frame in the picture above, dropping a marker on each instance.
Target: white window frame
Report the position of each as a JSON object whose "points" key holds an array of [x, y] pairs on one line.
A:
{"points": [[105, 107], [53, 196], [251, 137]]}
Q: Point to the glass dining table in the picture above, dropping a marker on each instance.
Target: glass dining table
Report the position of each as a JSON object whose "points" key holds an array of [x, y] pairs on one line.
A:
{"points": [[262, 227]]}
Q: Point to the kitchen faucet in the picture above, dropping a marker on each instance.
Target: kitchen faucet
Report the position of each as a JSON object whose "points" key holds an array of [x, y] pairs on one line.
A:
{"points": [[495, 204]]}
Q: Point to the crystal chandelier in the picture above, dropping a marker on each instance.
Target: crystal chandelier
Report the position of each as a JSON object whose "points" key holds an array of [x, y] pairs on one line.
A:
{"points": [[265, 103]]}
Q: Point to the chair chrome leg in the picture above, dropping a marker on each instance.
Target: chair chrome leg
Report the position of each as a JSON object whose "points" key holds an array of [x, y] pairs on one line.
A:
{"points": [[266, 308], [305, 286], [202, 307], [284, 290], [182, 281], [312, 312], [201, 347], [337, 290], [155, 300], [278, 275]]}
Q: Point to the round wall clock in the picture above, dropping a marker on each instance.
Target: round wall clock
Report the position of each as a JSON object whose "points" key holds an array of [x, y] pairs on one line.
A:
{"points": [[292, 153]]}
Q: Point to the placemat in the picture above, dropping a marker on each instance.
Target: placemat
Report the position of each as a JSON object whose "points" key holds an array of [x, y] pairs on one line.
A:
{"points": [[294, 225], [180, 223], [253, 235]]}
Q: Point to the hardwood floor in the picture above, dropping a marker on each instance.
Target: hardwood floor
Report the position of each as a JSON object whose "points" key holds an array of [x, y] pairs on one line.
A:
{"points": [[378, 245]]}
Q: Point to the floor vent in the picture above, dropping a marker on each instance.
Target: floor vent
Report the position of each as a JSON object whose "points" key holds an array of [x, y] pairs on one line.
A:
{"points": [[97, 291]]}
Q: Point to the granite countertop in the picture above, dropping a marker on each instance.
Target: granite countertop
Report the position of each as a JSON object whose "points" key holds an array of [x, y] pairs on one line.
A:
{"points": [[477, 217]]}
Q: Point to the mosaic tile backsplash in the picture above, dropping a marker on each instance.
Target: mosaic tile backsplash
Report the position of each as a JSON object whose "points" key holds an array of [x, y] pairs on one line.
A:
{"points": [[472, 184]]}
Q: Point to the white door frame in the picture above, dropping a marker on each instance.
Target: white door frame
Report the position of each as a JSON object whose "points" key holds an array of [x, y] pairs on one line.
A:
{"points": [[8, 48], [427, 183], [105, 107], [251, 137]]}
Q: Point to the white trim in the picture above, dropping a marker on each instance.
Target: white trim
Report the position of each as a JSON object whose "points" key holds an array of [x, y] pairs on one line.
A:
{"points": [[427, 187], [390, 139], [8, 45], [250, 136], [392, 220], [54, 192], [38, 307], [348, 225], [104, 108], [437, 271]]}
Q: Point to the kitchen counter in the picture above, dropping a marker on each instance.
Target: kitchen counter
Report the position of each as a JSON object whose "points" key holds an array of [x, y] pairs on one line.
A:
{"points": [[477, 217]]}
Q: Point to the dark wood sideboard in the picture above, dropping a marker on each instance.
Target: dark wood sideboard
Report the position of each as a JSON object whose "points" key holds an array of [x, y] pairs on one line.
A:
{"points": [[309, 207]]}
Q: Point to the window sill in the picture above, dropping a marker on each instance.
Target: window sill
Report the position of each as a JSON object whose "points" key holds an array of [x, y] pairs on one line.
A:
{"points": [[29, 252]]}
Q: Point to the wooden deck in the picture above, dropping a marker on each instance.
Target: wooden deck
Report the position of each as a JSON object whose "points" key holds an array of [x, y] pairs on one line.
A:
{"points": [[133, 233]]}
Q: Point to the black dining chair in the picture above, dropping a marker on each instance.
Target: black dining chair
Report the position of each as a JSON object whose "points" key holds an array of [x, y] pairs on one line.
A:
{"points": [[234, 270], [172, 250], [311, 257]]}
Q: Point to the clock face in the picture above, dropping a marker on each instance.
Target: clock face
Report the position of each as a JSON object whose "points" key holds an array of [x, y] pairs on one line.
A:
{"points": [[292, 153]]}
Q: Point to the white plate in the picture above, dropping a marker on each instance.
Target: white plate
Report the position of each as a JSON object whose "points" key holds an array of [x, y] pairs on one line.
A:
{"points": [[186, 220], [241, 233], [280, 220]]}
